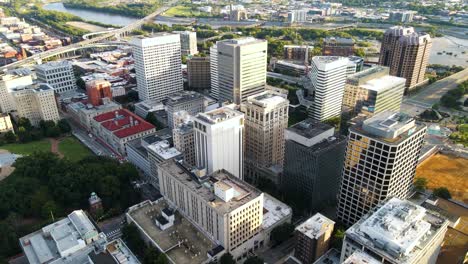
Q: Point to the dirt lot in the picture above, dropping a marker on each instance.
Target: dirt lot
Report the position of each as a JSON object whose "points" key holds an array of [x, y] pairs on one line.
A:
{"points": [[446, 171], [86, 26]]}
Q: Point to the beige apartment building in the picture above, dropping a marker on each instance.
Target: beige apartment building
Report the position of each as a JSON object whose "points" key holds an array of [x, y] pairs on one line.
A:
{"points": [[406, 52], [225, 208], [242, 68], [36, 102], [266, 118], [184, 141]]}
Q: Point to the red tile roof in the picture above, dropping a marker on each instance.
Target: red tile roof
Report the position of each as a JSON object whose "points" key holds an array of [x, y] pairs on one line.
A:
{"points": [[119, 123]]}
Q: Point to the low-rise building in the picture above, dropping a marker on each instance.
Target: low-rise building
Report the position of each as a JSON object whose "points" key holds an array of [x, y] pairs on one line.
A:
{"points": [[70, 240], [313, 238], [336, 46], [83, 112], [290, 68], [397, 231], [143, 108], [119, 127], [36, 102], [298, 53]]}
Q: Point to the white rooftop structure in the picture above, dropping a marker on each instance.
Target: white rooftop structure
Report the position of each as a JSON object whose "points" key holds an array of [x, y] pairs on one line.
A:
{"points": [[389, 124], [219, 115], [360, 257], [383, 83], [267, 99], [398, 230], [315, 226], [325, 63], [164, 150], [70, 239]]}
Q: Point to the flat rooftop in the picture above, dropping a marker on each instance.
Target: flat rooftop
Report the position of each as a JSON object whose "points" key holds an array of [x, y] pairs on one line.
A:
{"points": [[241, 41], [309, 128], [183, 96], [164, 150], [384, 83], [389, 126], [332, 256], [360, 257], [194, 245], [274, 211], [204, 186], [316, 226], [398, 229], [218, 115], [54, 64], [267, 99]]}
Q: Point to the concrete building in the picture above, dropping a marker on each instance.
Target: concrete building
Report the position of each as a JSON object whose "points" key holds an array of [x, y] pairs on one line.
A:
{"points": [[266, 117], [397, 231], [36, 102], [360, 257], [313, 163], [238, 15], [297, 16], [8, 82], [406, 52], [290, 68], [380, 161], [84, 113], [403, 16], [117, 128], [355, 64], [58, 74], [297, 52], [188, 101], [241, 68], [373, 91], [73, 239], [328, 77], [313, 238], [147, 152], [198, 73], [188, 42], [336, 46], [143, 108], [157, 222], [214, 88], [332, 256], [97, 91], [157, 65], [219, 141], [226, 209], [5, 123], [184, 141]]}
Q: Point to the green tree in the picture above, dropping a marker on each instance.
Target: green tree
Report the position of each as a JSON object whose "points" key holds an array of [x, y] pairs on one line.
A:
{"points": [[338, 237], [24, 135], [131, 236], [282, 233], [10, 137], [227, 258], [80, 83], [162, 259], [360, 52], [420, 184], [24, 122], [64, 126], [151, 255], [442, 192], [334, 121], [50, 210], [53, 132], [254, 260]]}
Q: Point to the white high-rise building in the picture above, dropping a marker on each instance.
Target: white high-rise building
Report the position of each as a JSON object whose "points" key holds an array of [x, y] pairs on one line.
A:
{"points": [[157, 65], [241, 68], [328, 77], [214, 72], [380, 162], [219, 140], [36, 102], [59, 74], [10, 81], [188, 42], [397, 231]]}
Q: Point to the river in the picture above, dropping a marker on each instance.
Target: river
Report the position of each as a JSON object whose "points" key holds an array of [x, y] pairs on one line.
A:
{"points": [[90, 15]]}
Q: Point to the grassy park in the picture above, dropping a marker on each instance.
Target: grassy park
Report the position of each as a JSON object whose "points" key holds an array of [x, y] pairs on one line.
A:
{"points": [[72, 149], [28, 148], [183, 11]]}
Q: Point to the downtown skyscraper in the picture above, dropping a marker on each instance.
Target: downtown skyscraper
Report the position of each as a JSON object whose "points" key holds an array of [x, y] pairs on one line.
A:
{"points": [[157, 65]]}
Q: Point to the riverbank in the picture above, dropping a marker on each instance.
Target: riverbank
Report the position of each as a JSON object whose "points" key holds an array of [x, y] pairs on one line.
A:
{"points": [[137, 10]]}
